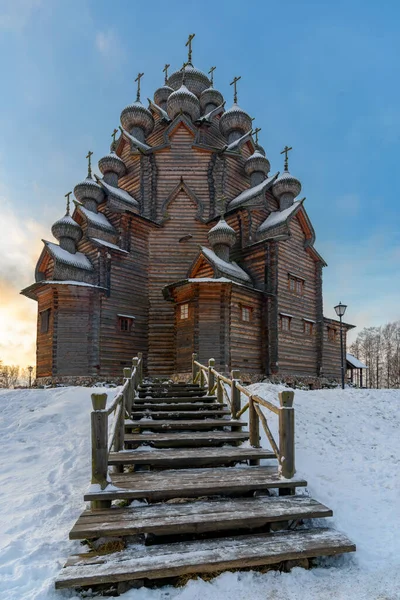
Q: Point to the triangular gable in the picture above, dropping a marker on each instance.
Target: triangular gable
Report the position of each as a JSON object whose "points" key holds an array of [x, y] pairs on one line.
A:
{"points": [[201, 267], [182, 187]]}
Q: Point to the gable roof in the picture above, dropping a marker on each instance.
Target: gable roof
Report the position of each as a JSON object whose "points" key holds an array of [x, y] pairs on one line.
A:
{"points": [[96, 219], [117, 192], [280, 217], [77, 260], [231, 270], [252, 192]]}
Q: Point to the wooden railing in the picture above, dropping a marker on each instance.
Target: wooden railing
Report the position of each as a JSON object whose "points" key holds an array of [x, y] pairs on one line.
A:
{"points": [[108, 435], [207, 376]]}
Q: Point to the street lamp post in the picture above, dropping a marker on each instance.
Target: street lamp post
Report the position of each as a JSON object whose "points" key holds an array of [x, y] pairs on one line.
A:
{"points": [[30, 369], [340, 310]]}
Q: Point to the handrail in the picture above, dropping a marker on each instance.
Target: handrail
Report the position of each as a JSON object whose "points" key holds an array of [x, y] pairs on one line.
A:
{"points": [[285, 452], [106, 439]]}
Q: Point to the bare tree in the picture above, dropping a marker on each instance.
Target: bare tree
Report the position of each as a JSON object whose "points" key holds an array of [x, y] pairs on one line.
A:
{"points": [[9, 376]]}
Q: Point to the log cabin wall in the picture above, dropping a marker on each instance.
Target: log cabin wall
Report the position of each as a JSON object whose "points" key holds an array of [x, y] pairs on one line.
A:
{"points": [[245, 335], [44, 346], [297, 347], [184, 327], [213, 324], [331, 365]]}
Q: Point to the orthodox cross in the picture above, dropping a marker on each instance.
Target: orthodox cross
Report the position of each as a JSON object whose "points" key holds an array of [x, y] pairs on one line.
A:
{"points": [[165, 70], [211, 74], [255, 132], [189, 45], [285, 152], [89, 157], [138, 78], [235, 80], [67, 197], [183, 72], [114, 133]]}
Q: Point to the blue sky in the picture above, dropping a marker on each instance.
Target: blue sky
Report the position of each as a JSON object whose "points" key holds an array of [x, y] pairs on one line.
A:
{"points": [[321, 77]]}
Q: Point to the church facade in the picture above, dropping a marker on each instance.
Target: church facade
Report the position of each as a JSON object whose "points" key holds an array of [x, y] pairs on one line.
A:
{"points": [[186, 243]]}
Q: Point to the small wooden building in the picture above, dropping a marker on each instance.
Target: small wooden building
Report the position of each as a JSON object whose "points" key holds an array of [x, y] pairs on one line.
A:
{"points": [[146, 263]]}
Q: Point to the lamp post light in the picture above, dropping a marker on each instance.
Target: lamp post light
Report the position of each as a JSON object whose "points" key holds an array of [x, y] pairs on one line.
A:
{"points": [[30, 369], [340, 310]]}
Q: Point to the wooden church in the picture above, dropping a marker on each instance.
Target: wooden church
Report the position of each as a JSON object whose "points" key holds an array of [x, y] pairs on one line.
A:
{"points": [[187, 243]]}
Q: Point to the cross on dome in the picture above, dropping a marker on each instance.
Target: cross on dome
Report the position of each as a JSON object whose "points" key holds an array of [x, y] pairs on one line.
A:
{"points": [[234, 82], [138, 78], [211, 74], [89, 157], [165, 70], [114, 133], [189, 46], [285, 151], [255, 132], [67, 197]]}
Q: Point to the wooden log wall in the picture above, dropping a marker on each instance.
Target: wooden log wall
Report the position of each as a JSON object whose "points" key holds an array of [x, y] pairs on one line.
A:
{"points": [[44, 347], [245, 337], [213, 324], [331, 364]]}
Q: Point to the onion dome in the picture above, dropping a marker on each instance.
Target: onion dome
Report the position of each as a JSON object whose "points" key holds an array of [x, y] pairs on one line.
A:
{"points": [[112, 163], [222, 233], [234, 120], [257, 163], [183, 100], [66, 227], [89, 189], [137, 115], [212, 97], [162, 94], [195, 80], [286, 184]]}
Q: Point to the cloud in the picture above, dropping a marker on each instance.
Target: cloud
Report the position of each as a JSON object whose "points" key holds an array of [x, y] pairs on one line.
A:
{"points": [[15, 15], [109, 47]]}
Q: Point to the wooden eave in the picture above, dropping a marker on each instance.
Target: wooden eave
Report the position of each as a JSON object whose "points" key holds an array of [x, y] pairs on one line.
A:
{"points": [[336, 323], [32, 290]]}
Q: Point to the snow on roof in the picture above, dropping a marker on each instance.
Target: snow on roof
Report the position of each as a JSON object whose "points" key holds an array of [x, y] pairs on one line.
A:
{"points": [[118, 193], [239, 142], [279, 217], [68, 282], [78, 260], [230, 268], [354, 362], [126, 316], [108, 245], [137, 143], [161, 112], [252, 192], [97, 219]]}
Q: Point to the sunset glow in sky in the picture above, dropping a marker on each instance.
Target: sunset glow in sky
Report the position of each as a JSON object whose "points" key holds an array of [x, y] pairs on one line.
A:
{"points": [[321, 77]]}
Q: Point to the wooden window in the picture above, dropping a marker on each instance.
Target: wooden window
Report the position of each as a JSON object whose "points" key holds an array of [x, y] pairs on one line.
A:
{"points": [[125, 324], [285, 322], [184, 311], [308, 327], [332, 334], [246, 313], [295, 285], [44, 321]]}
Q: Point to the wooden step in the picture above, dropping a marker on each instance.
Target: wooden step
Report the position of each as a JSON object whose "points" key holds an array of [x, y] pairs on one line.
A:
{"points": [[187, 457], [196, 425], [187, 483], [186, 395], [174, 400], [171, 386], [170, 406], [195, 439], [180, 414], [202, 556], [196, 517]]}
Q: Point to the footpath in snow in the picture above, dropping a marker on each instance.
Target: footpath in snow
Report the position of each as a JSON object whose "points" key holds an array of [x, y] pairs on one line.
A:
{"points": [[348, 448]]}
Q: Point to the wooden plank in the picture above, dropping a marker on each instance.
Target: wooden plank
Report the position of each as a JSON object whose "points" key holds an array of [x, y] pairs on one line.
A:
{"points": [[208, 424], [175, 414], [183, 483], [188, 457], [203, 556], [196, 517], [169, 406], [196, 438], [175, 400]]}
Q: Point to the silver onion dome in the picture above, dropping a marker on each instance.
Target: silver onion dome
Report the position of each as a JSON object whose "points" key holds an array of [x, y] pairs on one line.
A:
{"points": [[257, 163], [162, 94], [66, 227], [183, 100], [235, 120], [112, 163], [210, 96], [89, 189], [222, 234], [137, 115], [286, 184], [195, 80]]}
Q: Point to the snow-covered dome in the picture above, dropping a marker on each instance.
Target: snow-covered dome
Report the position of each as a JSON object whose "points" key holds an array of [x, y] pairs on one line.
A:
{"points": [[66, 227], [257, 163], [137, 115], [112, 163], [183, 100], [195, 80], [222, 234], [89, 189], [162, 94], [286, 184], [235, 120], [212, 97]]}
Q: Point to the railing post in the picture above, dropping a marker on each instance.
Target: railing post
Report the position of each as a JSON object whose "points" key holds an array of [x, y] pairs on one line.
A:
{"points": [[254, 429], [220, 393], [202, 380], [211, 376], [286, 435], [235, 394], [195, 368], [99, 426], [135, 383], [140, 370]]}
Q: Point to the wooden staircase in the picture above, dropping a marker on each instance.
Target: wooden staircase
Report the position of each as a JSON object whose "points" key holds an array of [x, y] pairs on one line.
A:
{"points": [[207, 504]]}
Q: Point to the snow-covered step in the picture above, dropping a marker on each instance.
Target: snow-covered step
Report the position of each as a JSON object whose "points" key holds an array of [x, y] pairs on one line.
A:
{"points": [[182, 425], [180, 414], [201, 556], [182, 439]]}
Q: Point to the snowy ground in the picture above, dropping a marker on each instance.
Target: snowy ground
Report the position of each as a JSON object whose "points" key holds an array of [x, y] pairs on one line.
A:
{"points": [[348, 448]]}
